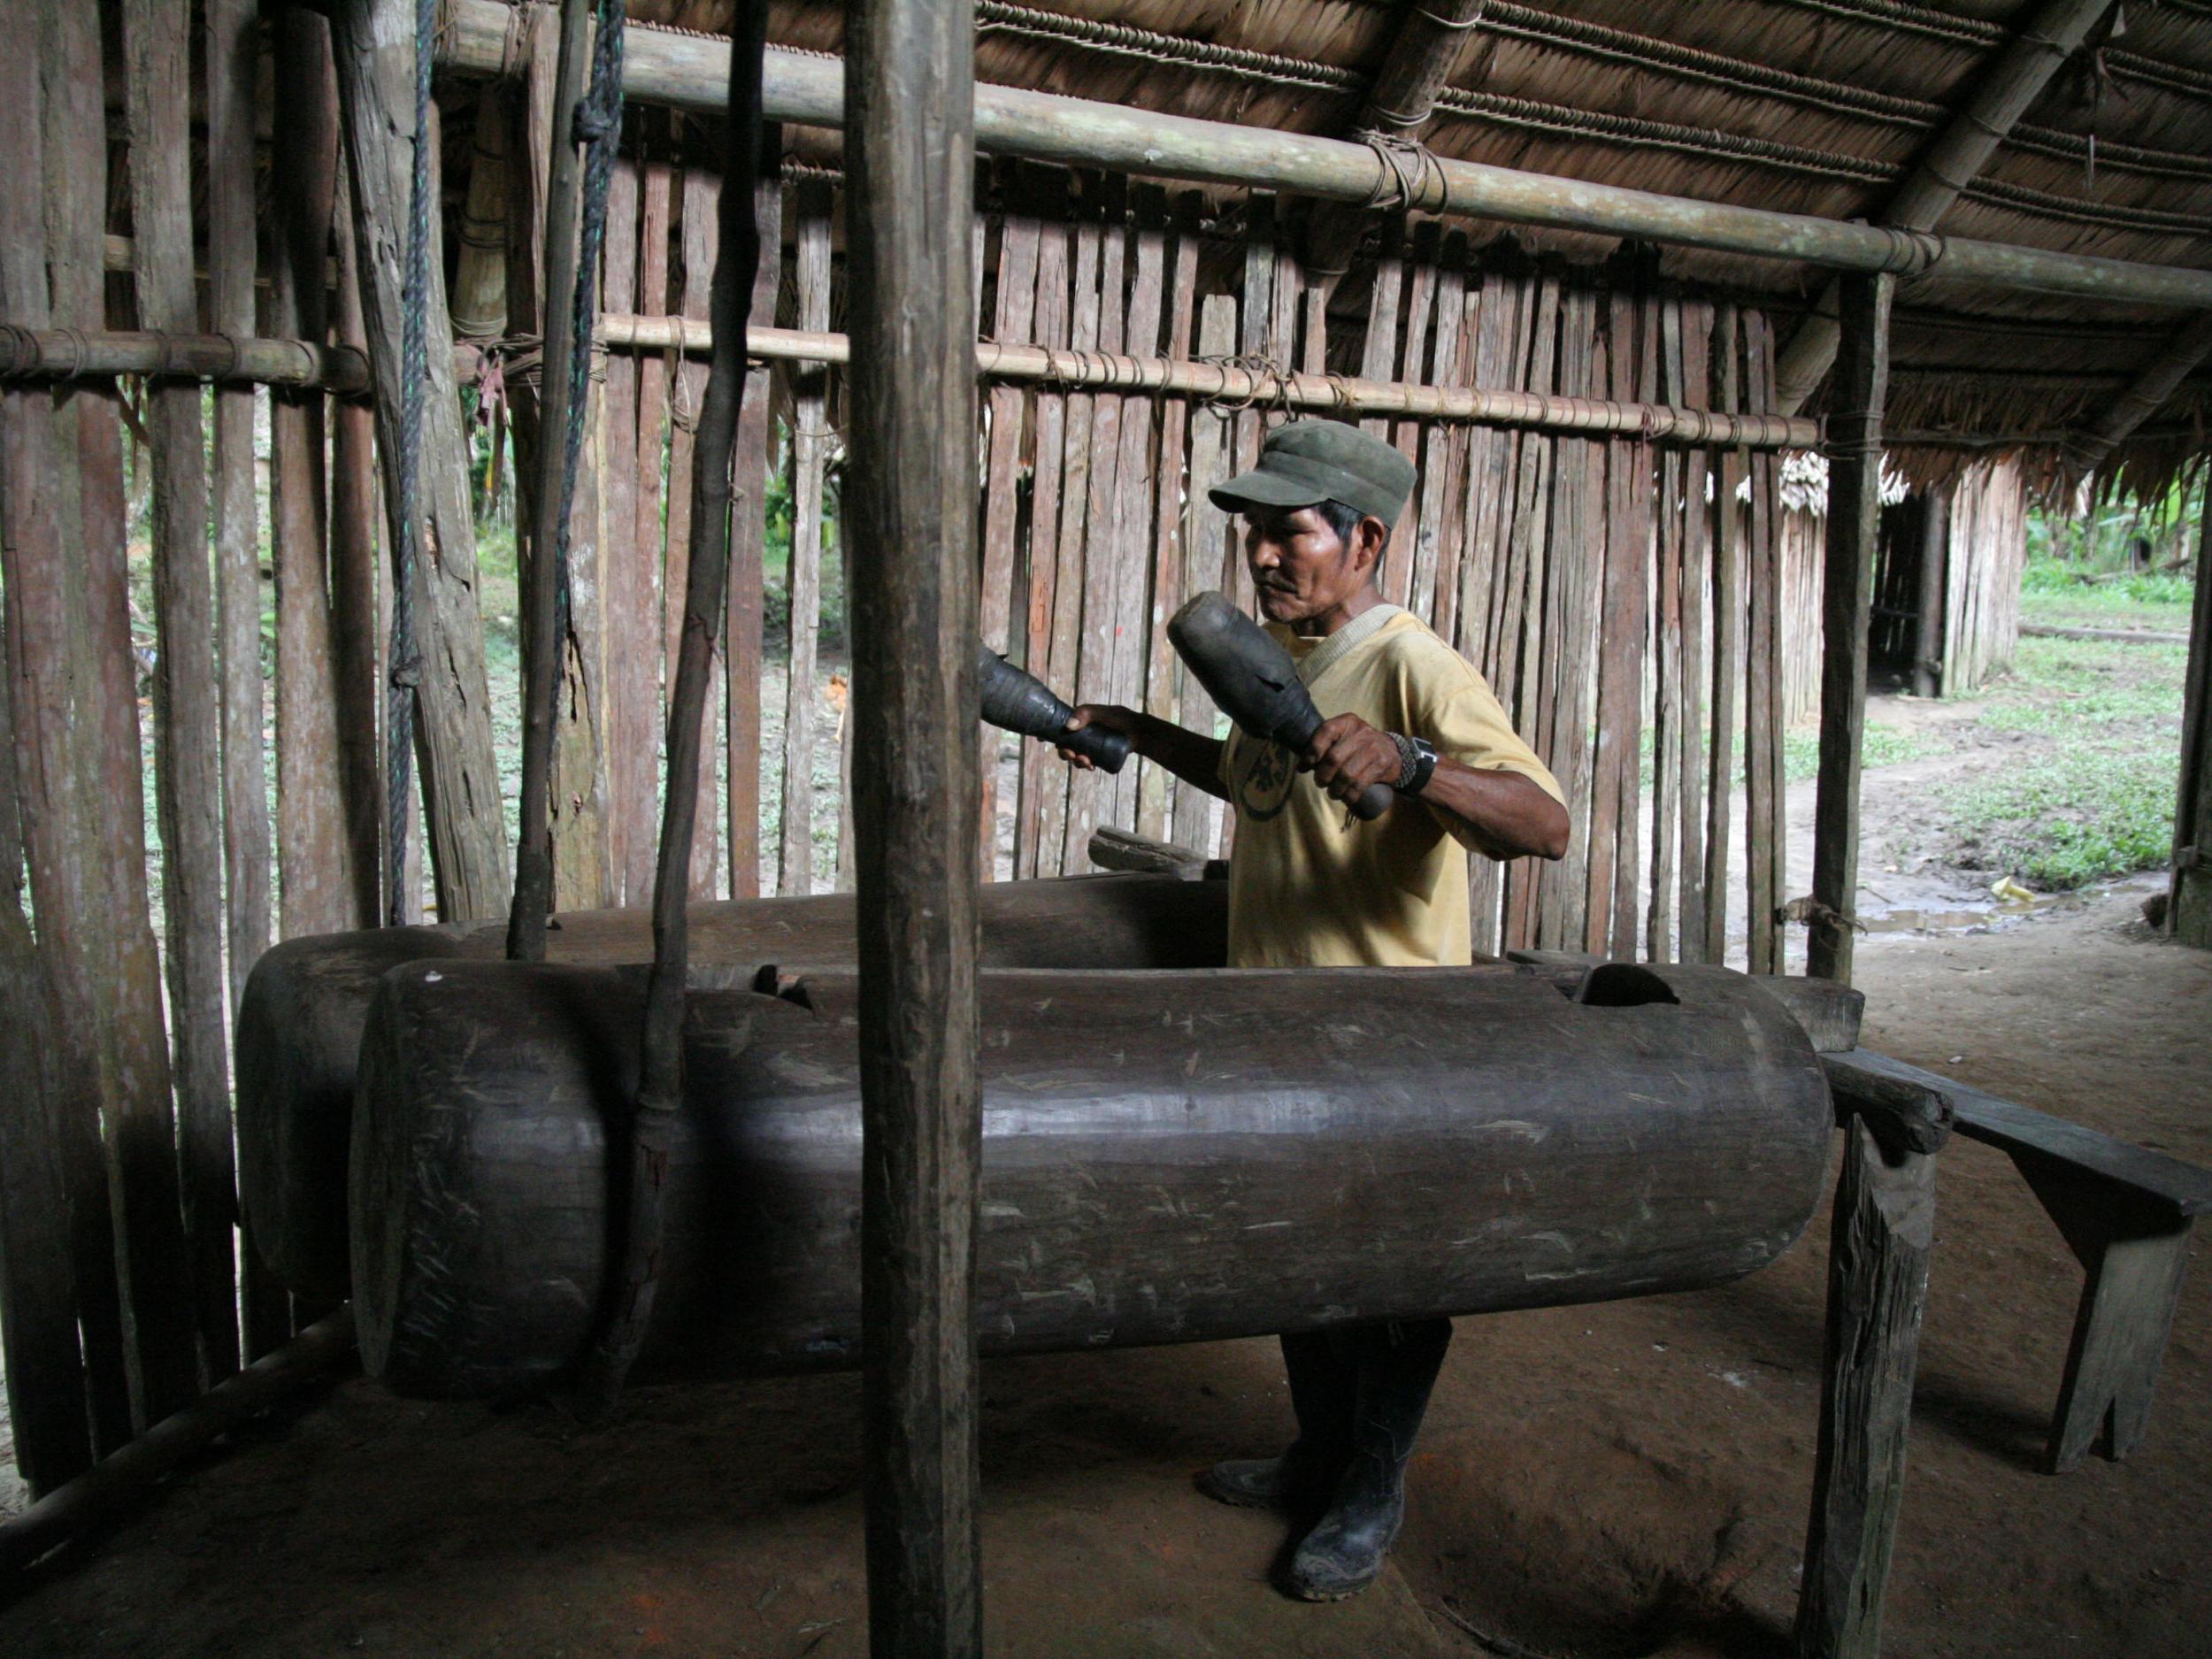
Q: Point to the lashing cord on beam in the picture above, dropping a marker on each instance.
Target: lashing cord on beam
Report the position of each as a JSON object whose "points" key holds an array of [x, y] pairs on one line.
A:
{"points": [[405, 660]]}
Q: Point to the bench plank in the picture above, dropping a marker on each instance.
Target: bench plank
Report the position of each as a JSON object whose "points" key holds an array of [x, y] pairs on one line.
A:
{"points": [[2013, 1128]]}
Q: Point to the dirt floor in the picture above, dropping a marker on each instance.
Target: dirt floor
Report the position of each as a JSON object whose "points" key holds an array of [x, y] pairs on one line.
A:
{"points": [[1614, 1481]]}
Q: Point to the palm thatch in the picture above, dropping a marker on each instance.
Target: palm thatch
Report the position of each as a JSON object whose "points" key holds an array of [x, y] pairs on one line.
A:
{"points": [[1810, 106]]}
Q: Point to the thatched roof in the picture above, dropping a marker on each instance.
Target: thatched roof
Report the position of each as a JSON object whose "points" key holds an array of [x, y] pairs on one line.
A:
{"points": [[1810, 106]]}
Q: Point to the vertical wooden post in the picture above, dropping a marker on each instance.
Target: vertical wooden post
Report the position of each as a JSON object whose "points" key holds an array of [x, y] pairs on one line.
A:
{"points": [[1935, 547], [909, 90], [1877, 1290], [2189, 910], [1855, 521], [374, 44], [187, 727], [231, 53]]}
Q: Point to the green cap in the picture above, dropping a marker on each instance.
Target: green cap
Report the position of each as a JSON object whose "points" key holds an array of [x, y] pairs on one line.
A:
{"points": [[1306, 462]]}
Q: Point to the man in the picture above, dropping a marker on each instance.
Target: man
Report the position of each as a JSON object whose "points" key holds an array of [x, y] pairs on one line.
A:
{"points": [[1309, 885]]}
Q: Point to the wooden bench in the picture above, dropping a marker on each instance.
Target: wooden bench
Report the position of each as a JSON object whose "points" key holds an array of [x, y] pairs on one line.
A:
{"points": [[2126, 1214]]}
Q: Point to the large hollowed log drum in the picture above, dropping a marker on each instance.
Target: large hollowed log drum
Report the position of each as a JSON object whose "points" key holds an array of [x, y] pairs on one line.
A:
{"points": [[299, 1022], [1167, 1157]]}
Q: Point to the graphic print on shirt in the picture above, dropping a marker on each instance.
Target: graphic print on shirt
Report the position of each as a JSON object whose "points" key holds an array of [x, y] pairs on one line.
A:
{"points": [[1265, 775]]}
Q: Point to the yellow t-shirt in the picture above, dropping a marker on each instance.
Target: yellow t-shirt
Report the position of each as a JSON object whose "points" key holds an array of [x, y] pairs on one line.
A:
{"points": [[1311, 887]]}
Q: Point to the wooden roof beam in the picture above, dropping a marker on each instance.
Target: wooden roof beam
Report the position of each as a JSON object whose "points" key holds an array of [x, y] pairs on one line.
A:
{"points": [[2085, 449], [1421, 63], [687, 71], [1952, 162]]}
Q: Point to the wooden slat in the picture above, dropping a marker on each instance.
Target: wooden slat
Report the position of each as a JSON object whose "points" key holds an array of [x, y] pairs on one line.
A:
{"points": [[1763, 737], [1457, 309], [1042, 772], [186, 734], [1094, 677], [76, 720], [1164, 678], [1405, 436], [231, 55], [39, 1298], [358, 636], [1016, 314], [1525, 590], [667, 552], [1255, 314], [1620, 676], [810, 440], [1206, 551], [1697, 344], [1577, 580], [1494, 299], [1667, 738], [629, 595], [749, 528], [314, 852], [1728, 629], [1067, 595], [1133, 497]]}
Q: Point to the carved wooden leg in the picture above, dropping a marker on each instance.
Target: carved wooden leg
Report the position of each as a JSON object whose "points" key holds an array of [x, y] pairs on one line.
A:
{"points": [[1878, 1289], [2134, 1255]]}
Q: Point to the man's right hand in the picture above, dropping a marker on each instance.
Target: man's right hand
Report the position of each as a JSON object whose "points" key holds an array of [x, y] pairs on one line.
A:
{"points": [[1111, 716]]}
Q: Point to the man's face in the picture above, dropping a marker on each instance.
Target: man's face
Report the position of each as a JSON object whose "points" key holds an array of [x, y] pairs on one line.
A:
{"points": [[1301, 567]]}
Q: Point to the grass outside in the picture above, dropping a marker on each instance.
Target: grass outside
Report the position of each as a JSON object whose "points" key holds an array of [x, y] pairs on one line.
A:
{"points": [[2090, 793]]}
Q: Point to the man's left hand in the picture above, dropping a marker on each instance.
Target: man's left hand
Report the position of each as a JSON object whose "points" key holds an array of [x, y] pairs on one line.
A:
{"points": [[1348, 756]]}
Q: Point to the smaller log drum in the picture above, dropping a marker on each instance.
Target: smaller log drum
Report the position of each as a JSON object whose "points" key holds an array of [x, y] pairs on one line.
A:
{"points": [[1167, 1157], [299, 1022]]}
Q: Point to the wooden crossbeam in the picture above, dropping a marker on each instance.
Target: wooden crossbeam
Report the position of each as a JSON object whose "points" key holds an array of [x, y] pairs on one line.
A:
{"points": [[1951, 162]]}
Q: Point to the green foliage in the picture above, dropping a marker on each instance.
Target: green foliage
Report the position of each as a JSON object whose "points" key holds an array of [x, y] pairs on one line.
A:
{"points": [[2085, 812], [1880, 746]]}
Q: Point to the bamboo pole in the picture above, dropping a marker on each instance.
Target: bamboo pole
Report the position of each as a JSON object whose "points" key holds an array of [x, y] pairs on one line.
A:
{"points": [[1951, 162], [687, 71], [2086, 449], [62, 355], [1000, 360], [112, 1486], [1855, 515], [223, 359], [912, 501]]}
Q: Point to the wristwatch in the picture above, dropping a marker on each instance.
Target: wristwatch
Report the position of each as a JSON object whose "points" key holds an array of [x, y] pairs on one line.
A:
{"points": [[1416, 759]]}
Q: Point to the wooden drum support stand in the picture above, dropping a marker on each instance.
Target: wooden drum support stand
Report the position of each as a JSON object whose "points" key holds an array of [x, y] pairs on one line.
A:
{"points": [[1879, 1241]]}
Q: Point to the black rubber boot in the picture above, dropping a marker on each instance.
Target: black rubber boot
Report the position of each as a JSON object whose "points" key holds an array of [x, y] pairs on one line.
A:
{"points": [[1324, 1388], [1344, 1553]]}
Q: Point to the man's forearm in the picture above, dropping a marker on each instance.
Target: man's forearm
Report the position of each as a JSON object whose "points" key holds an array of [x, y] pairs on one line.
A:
{"points": [[1511, 814], [1196, 760]]}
